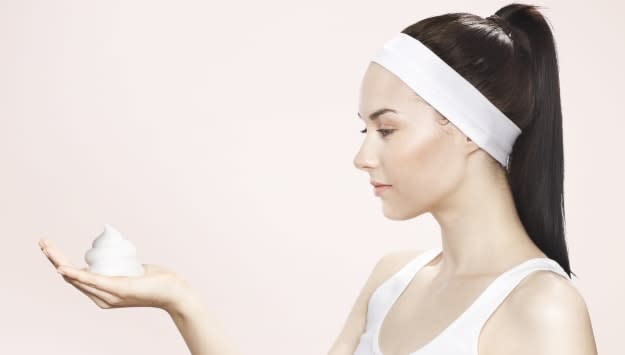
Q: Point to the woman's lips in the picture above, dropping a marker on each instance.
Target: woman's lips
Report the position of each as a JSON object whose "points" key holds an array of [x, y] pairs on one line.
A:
{"points": [[379, 189]]}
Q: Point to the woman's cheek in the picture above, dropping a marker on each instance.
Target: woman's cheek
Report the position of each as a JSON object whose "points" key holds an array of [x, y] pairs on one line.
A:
{"points": [[421, 164]]}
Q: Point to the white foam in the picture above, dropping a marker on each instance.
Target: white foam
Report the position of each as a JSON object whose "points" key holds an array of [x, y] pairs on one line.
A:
{"points": [[113, 255]]}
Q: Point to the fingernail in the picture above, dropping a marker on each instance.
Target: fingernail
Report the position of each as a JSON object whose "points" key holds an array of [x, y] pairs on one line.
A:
{"points": [[61, 270]]}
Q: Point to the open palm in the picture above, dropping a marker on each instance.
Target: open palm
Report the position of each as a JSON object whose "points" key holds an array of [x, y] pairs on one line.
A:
{"points": [[158, 287]]}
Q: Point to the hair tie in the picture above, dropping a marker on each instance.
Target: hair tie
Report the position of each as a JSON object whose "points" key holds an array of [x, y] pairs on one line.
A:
{"points": [[502, 23], [450, 94]]}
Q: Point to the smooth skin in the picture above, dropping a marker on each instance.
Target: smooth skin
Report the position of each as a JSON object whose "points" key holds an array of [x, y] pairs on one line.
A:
{"points": [[156, 288], [433, 168], [159, 288]]}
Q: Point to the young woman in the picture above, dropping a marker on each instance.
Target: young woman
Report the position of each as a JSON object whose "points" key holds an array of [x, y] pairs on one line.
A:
{"points": [[463, 120]]}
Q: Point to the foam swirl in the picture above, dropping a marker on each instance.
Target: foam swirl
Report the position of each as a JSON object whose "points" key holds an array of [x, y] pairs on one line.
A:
{"points": [[113, 255]]}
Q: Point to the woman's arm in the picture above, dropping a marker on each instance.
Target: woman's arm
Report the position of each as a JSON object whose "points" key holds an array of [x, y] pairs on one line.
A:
{"points": [[202, 331], [158, 288]]}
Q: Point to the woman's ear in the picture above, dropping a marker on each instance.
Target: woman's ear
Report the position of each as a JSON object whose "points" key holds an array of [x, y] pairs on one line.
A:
{"points": [[470, 146]]}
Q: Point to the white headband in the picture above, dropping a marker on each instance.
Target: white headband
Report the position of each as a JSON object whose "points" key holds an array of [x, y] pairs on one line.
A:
{"points": [[450, 94]]}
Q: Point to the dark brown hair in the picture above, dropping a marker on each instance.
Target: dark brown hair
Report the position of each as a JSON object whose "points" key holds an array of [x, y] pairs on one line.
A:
{"points": [[510, 57]]}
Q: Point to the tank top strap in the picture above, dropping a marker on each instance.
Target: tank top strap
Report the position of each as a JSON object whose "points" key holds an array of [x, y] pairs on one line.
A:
{"points": [[389, 291], [407, 273], [487, 302]]}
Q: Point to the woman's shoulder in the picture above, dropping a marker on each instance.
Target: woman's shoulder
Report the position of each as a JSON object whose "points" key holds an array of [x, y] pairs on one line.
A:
{"points": [[545, 290], [551, 311]]}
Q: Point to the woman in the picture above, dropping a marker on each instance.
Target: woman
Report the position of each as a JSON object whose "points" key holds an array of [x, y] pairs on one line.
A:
{"points": [[463, 120]]}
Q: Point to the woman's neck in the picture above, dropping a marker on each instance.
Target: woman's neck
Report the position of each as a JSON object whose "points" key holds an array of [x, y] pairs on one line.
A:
{"points": [[480, 229]]}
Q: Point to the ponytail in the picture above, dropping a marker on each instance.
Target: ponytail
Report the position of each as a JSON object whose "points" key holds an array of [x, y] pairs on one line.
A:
{"points": [[536, 165]]}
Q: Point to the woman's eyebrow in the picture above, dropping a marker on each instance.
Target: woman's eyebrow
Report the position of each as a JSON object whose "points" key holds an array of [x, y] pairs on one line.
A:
{"points": [[374, 116]]}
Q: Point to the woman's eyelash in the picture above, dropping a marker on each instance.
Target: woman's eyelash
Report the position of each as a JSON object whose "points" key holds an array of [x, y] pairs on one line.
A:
{"points": [[384, 132]]}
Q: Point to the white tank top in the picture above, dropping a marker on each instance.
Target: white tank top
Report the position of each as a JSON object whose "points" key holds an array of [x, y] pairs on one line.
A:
{"points": [[461, 336]]}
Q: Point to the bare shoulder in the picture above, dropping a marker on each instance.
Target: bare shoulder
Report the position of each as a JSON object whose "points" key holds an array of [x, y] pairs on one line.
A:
{"points": [[551, 317], [354, 326]]}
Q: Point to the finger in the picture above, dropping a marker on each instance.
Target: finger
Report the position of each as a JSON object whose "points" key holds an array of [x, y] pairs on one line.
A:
{"points": [[46, 252], [45, 246], [49, 258], [54, 254], [101, 298], [84, 289], [115, 285]]}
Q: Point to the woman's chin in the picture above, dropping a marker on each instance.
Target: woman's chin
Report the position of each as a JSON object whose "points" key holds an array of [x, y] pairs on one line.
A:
{"points": [[393, 214]]}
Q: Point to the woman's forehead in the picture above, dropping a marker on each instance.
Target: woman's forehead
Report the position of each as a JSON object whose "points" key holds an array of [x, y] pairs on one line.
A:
{"points": [[381, 87], [378, 78]]}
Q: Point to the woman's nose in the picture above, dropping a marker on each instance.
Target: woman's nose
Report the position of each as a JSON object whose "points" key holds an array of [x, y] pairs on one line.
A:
{"points": [[364, 160]]}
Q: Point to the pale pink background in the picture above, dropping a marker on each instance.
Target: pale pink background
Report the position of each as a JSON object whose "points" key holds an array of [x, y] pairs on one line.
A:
{"points": [[219, 139]]}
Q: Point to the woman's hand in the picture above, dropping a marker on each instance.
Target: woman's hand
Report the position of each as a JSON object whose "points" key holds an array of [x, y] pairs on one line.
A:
{"points": [[158, 287]]}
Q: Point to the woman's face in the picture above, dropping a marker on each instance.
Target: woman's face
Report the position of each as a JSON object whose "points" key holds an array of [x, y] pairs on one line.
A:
{"points": [[421, 156]]}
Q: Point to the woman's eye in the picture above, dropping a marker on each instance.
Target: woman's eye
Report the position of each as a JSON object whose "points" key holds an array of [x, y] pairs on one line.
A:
{"points": [[384, 132]]}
